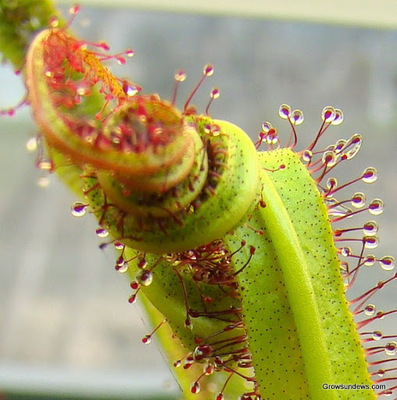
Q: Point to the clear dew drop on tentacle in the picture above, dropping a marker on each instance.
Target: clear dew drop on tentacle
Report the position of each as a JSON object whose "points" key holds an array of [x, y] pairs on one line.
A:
{"points": [[370, 228], [332, 184], [380, 373], [338, 118], [328, 114], [129, 89], [387, 263], [118, 245], [369, 310], [339, 145], [123, 268], [209, 369], [102, 232], [31, 145], [142, 263], [371, 242], [120, 262], [296, 117], [353, 145], [376, 207], [180, 75], [369, 175], [284, 111], [78, 209], [195, 388], [345, 251], [391, 348], [369, 260], [329, 159], [266, 127], [358, 200], [208, 70], [132, 299], [147, 339], [215, 93], [377, 335], [45, 165], [307, 156], [144, 277]]}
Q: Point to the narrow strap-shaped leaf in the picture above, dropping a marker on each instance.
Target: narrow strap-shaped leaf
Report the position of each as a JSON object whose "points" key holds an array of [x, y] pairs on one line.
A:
{"points": [[301, 332]]}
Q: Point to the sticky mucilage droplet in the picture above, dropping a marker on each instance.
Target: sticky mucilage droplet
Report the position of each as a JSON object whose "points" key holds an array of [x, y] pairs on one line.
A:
{"points": [[78, 209]]}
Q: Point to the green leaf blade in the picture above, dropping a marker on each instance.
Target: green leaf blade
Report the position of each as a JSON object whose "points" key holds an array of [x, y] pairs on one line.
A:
{"points": [[302, 334]]}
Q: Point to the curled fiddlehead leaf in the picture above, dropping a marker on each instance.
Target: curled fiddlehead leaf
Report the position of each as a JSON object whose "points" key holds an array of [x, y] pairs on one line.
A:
{"points": [[146, 165]]}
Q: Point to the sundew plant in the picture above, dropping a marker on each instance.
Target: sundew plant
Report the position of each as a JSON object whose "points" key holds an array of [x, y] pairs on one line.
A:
{"points": [[244, 253]]}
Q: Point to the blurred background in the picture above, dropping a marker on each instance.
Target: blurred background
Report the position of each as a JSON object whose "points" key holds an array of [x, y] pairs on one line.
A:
{"points": [[66, 327]]}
